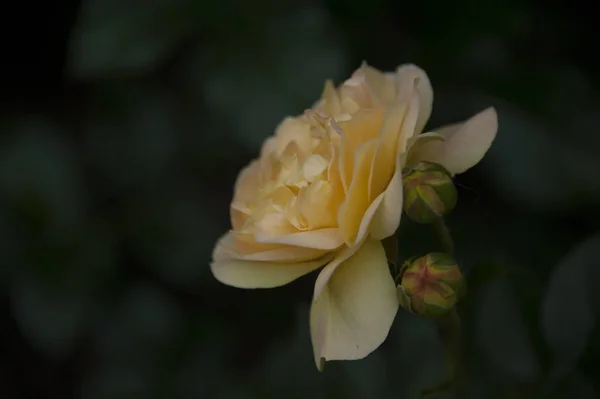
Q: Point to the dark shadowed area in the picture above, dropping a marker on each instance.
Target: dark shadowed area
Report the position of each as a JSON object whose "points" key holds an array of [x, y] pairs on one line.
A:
{"points": [[124, 125]]}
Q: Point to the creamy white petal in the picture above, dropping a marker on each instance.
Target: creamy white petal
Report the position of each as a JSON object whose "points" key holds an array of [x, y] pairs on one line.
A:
{"points": [[226, 250], [355, 311], [325, 239], [387, 216], [347, 252], [465, 143], [252, 274], [329, 269], [411, 78]]}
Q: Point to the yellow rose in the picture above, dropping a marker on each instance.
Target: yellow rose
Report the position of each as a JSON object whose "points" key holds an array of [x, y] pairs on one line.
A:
{"points": [[327, 188]]}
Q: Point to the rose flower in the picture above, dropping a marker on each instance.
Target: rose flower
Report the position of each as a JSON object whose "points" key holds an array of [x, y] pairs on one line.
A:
{"points": [[327, 188]]}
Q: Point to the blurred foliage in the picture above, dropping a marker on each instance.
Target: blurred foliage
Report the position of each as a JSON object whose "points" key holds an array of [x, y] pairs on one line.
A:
{"points": [[125, 123]]}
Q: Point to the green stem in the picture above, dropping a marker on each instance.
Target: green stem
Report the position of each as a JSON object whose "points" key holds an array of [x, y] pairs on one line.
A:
{"points": [[449, 326], [444, 235], [449, 330]]}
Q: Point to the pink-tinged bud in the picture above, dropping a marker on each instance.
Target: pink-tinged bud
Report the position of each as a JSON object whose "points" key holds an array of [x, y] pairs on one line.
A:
{"points": [[431, 285]]}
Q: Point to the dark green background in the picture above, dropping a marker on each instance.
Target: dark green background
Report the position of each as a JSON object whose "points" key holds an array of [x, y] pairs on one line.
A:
{"points": [[124, 124]]}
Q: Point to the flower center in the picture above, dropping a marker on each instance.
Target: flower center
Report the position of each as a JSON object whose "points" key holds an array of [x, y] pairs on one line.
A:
{"points": [[295, 192]]}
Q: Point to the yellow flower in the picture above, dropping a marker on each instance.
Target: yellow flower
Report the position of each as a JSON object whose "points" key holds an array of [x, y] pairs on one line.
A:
{"points": [[327, 188]]}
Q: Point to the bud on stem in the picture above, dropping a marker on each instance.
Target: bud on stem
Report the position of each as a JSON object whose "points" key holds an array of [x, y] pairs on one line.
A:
{"points": [[429, 192], [431, 285]]}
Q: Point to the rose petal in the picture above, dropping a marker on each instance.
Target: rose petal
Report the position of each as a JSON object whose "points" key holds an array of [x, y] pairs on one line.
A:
{"points": [[381, 85], [290, 130], [355, 311], [420, 139], [465, 143], [387, 216], [247, 182], [251, 274], [353, 209], [331, 101], [329, 269], [386, 153], [245, 190], [345, 253], [273, 224], [318, 205], [239, 246], [326, 239], [362, 127], [409, 78]]}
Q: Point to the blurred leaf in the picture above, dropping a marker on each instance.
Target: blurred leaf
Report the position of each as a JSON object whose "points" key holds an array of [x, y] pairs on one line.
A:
{"points": [[526, 162], [208, 357], [120, 382], [145, 323], [415, 355], [289, 366], [581, 154], [174, 232], [568, 316], [369, 376], [574, 386], [113, 36], [152, 315], [51, 320], [9, 247], [40, 180], [572, 95], [501, 334], [486, 54], [196, 230], [95, 259], [131, 138]]}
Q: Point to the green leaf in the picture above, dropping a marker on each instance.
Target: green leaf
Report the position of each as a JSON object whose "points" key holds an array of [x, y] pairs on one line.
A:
{"points": [[144, 324], [52, 320], [41, 182], [568, 312], [113, 36], [131, 136]]}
